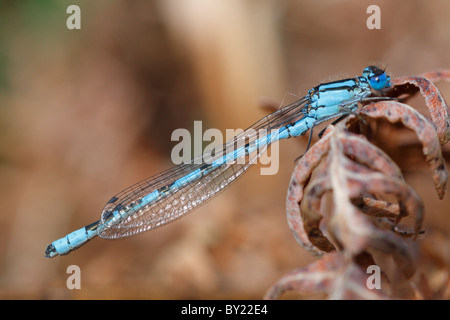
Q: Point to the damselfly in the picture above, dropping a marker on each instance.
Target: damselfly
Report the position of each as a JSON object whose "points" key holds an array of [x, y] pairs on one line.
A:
{"points": [[174, 193]]}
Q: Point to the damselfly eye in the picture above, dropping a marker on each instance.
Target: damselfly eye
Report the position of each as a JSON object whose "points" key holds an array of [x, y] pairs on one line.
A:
{"points": [[379, 82]]}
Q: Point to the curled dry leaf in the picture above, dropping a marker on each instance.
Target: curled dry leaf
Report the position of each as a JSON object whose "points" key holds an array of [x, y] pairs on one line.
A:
{"points": [[347, 173], [346, 195], [434, 100], [334, 275], [394, 111]]}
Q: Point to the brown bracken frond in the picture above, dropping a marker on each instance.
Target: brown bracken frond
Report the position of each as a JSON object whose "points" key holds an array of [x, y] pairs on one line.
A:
{"points": [[347, 199]]}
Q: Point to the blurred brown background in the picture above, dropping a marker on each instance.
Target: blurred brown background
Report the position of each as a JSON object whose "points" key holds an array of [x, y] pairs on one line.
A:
{"points": [[86, 113]]}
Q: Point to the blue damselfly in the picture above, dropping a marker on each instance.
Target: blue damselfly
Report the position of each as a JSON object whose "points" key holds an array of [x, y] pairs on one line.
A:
{"points": [[173, 193]]}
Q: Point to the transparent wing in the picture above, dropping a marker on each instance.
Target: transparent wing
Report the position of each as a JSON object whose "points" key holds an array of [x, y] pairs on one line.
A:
{"points": [[174, 202]]}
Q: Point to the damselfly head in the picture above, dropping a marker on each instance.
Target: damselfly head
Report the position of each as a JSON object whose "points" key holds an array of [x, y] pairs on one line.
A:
{"points": [[378, 79]]}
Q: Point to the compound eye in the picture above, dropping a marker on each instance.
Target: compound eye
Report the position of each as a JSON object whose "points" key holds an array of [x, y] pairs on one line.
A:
{"points": [[379, 82]]}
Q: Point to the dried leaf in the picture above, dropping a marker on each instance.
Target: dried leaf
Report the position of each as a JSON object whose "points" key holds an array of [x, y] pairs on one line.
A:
{"points": [[338, 277], [395, 111], [434, 100], [300, 177], [346, 195], [347, 173]]}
